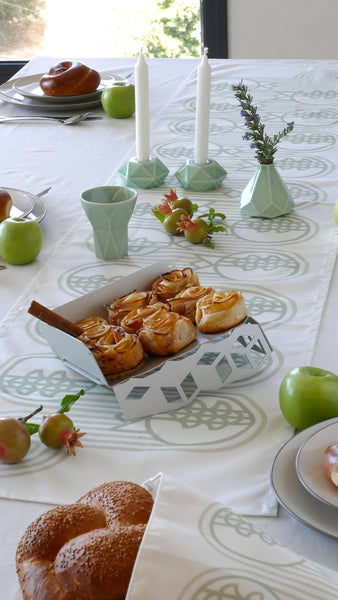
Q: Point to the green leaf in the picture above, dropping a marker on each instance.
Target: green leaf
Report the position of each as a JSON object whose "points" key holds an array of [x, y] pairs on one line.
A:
{"points": [[209, 243], [68, 401], [32, 428], [158, 215], [216, 228]]}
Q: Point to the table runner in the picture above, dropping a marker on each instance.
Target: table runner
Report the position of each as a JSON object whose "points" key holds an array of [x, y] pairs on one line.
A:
{"points": [[223, 442], [216, 553]]}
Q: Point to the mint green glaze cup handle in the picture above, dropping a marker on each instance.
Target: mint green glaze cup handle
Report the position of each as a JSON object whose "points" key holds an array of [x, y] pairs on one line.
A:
{"points": [[108, 209]]}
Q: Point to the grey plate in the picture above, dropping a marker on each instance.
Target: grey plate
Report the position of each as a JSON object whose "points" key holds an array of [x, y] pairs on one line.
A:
{"points": [[26, 205], [309, 465], [292, 495], [30, 88], [9, 94], [23, 202]]}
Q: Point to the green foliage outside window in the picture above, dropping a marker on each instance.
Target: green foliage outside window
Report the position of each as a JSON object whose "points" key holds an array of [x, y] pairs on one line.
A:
{"points": [[164, 28], [15, 17], [176, 30]]}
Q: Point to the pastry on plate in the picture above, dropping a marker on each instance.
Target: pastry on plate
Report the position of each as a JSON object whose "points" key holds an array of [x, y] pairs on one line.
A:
{"points": [[219, 311], [169, 284], [69, 78]]}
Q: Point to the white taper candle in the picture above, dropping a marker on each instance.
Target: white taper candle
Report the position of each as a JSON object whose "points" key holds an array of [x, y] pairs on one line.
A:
{"points": [[202, 110], [142, 108]]}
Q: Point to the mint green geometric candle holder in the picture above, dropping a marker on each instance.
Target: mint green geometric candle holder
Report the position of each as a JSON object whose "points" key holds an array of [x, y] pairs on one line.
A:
{"points": [[144, 173], [200, 177]]}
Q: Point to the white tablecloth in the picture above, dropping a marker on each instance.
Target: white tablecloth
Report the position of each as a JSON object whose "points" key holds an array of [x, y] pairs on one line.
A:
{"points": [[73, 159]]}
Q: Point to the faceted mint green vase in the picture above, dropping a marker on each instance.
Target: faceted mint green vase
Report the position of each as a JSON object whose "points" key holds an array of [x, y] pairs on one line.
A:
{"points": [[266, 194]]}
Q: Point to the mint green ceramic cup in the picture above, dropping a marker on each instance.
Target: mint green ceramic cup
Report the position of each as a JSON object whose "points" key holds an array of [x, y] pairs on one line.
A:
{"points": [[108, 209]]}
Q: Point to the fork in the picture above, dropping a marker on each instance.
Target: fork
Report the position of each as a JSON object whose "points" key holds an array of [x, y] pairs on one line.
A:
{"points": [[64, 120]]}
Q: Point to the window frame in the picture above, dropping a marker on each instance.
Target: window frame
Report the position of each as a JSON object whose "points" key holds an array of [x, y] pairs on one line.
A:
{"points": [[8, 68], [214, 27]]}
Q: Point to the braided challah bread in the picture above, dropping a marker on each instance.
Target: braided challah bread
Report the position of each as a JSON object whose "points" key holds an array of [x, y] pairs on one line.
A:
{"points": [[85, 550], [70, 78]]}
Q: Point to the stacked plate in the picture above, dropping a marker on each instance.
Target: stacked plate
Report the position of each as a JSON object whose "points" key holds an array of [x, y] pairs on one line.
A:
{"points": [[26, 91], [300, 483], [26, 205]]}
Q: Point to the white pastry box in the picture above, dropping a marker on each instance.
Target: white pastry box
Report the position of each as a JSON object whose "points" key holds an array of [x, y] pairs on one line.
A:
{"points": [[161, 384]]}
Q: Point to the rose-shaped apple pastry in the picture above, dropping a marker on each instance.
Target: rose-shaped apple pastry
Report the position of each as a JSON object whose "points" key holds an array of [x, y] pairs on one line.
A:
{"points": [[122, 306], [219, 311], [93, 327], [185, 301], [169, 284], [133, 321], [116, 350], [164, 332]]}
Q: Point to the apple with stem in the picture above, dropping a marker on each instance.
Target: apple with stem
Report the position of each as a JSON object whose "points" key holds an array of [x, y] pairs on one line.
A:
{"points": [[20, 240], [118, 99], [308, 395]]}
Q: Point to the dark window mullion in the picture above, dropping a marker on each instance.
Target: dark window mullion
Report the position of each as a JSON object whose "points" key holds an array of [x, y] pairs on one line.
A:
{"points": [[8, 68], [214, 27]]}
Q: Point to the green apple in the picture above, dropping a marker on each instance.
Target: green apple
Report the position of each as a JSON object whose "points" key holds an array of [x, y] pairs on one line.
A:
{"points": [[308, 395], [118, 99], [335, 213], [20, 240]]}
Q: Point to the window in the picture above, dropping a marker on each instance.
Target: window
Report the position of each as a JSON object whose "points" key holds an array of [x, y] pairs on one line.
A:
{"points": [[72, 28]]}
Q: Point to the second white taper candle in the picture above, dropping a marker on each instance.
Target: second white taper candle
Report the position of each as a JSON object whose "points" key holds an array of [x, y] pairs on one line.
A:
{"points": [[142, 109], [202, 110]]}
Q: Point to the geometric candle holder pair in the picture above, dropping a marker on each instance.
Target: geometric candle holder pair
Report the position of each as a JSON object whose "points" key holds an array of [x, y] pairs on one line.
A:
{"points": [[152, 172]]}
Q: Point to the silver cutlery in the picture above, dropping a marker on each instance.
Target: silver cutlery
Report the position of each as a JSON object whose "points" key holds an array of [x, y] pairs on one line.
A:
{"points": [[64, 120], [44, 192]]}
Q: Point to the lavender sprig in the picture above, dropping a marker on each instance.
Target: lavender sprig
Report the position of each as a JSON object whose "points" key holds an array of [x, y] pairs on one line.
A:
{"points": [[265, 145]]}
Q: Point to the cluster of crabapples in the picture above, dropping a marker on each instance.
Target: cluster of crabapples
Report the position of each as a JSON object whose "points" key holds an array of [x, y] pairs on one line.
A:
{"points": [[56, 430], [178, 217]]}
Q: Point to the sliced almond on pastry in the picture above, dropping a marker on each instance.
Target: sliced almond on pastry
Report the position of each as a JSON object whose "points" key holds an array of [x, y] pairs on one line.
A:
{"points": [[219, 311]]}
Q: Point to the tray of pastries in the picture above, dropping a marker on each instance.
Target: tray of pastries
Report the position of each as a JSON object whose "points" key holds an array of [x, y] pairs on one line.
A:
{"points": [[158, 337]]}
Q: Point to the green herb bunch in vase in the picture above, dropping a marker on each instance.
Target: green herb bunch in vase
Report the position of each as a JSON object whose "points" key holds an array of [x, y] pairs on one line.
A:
{"points": [[265, 145], [266, 195]]}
